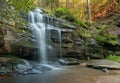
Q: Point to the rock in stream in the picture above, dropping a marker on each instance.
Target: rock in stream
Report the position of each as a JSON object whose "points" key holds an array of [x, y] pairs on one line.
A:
{"points": [[104, 64]]}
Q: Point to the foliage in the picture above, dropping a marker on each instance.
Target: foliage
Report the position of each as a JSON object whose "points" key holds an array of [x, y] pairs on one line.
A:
{"points": [[103, 29], [103, 36], [99, 8], [67, 14], [82, 23], [100, 38], [22, 5], [47, 4], [113, 58], [50, 12], [106, 39], [103, 8], [62, 12], [82, 32], [113, 42], [13, 11]]}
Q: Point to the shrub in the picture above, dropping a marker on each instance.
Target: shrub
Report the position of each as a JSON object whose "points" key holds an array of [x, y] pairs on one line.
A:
{"points": [[113, 58], [65, 13], [62, 12]]}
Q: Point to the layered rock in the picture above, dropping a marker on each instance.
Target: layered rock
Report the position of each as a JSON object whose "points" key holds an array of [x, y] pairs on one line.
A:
{"points": [[13, 41], [104, 64], [2, 41]]}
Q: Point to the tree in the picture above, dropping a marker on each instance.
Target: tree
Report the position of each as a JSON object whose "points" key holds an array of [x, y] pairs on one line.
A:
{"points": [[89, 11], [58, 3], [67, 3]]}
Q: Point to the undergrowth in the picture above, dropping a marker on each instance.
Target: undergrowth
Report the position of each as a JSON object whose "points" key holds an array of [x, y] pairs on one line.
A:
{"points": [[113, 58]]}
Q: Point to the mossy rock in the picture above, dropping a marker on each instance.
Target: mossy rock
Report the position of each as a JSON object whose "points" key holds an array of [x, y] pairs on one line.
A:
{"points": [[107, 39], [100, 38], [24, 42], [11, 59]]}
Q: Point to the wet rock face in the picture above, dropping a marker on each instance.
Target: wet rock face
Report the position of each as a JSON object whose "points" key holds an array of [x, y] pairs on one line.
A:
{"points": [[57, 22], [76, 47], [16, 66], [25, 52], [69, 61], [16, 42], [2, 35]]}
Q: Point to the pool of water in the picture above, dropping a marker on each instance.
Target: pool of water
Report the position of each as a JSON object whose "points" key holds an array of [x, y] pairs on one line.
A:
{"points": [[66, 74]]}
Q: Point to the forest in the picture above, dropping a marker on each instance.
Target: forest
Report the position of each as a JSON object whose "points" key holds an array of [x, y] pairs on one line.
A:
{"points": [[59, 41]]}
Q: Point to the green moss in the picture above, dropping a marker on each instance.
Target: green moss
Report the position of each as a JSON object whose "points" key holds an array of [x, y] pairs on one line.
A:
{"points": [[113, 58], [18, 61], [9, 56], [100, 38], [113, 42], [85, 33], [103, 29], [104, 36], [50, 12], [14, 58], [24, 42], [82, 32], [107, 39], [79, 22], [62, 12]]}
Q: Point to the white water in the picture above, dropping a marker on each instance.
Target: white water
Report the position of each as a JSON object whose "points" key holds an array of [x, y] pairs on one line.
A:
{"points": [[41, 25], [60, 43], [39, 30]]}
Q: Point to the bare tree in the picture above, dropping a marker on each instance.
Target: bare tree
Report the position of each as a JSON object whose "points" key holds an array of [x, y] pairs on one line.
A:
{"points": [[89, 12], [67, 3], [58, 3]]}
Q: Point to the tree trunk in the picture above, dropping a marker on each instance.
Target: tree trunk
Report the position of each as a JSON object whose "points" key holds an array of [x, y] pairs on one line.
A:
{"points": [[67, 3], [89, 12], [58, 3]]}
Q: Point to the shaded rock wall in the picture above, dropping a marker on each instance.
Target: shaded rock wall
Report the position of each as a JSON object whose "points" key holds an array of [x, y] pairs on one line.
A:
{"points": [[2, 41], [23, 43], [13, 41]]}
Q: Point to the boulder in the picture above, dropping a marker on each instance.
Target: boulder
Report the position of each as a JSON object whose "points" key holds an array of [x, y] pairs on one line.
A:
{"points": [[68, 61], [16, 42], [9, 38], [104, 64], [5, 60]]}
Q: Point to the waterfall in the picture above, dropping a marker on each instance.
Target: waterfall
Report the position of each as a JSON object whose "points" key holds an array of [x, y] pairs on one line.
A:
{"points": [[60, 43], [42, 26], [39, 30]]}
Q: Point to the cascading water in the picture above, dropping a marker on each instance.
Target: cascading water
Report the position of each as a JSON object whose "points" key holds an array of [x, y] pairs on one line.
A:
{"points": [[41, 25], [60, 43], [39, 30]]}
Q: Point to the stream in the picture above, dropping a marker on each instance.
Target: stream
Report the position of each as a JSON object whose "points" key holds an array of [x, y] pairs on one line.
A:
{"points": [[67, 74]]}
